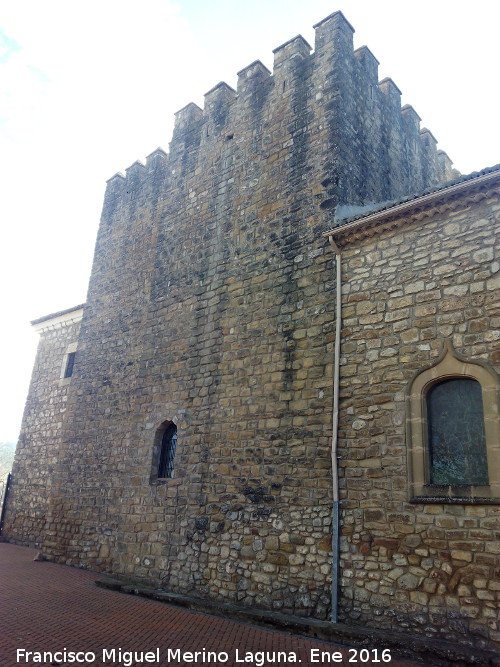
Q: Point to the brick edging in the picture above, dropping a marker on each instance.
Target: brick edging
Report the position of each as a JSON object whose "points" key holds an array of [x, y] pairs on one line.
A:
{"points": [[430, 651]]}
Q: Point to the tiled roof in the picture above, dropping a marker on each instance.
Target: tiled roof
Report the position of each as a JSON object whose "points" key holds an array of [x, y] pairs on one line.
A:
{"points": [[419, 206], [58, 314], [386, 206]]}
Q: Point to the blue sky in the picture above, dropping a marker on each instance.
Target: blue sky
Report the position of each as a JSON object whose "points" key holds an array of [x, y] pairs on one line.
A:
{"points": [[88, 88]]}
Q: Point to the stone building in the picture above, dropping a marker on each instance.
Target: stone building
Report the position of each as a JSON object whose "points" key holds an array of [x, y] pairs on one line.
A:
{"points": [[419, 419], [179, 425]]}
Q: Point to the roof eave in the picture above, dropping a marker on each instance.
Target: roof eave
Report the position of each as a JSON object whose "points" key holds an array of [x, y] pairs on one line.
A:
{"points": [[397, 213]]}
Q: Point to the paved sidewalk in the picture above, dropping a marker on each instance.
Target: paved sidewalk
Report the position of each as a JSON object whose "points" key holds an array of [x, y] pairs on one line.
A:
{"points": [[47, 607]]}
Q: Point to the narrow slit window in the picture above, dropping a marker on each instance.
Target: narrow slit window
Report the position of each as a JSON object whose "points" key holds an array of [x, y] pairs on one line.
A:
{"points": [[68, 372], [167, 452]]}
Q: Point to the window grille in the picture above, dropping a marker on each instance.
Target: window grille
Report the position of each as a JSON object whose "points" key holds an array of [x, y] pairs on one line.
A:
{"points": [[167, 453]]}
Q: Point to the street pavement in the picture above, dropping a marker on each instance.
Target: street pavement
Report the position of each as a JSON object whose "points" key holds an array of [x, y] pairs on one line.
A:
{"points": [[55, 615]]}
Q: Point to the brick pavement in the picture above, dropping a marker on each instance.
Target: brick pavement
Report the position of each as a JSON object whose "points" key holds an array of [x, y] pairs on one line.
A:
{"points": [[47, 607]]}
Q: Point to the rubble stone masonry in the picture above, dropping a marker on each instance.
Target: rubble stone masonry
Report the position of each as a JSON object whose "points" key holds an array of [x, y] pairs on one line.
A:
{"points": [[211, 304], [431, 567], [38, 447]]}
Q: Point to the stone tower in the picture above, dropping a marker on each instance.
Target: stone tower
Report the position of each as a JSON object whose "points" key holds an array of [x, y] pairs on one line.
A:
{"points": [[211, 306]]}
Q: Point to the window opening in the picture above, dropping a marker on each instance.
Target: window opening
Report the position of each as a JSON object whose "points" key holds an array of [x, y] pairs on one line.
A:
{"points": [[69, 365], [167, 453], [456, 435], [452, 427]]}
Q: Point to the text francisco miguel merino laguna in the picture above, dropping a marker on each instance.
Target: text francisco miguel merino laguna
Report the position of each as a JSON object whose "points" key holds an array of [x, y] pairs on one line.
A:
{"points": [[129, 658]]}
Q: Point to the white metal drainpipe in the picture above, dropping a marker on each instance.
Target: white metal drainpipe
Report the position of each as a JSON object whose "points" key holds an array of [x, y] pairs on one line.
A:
{"points": [[335, 433]]}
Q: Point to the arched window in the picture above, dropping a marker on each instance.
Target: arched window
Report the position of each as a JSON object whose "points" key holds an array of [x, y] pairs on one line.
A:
{"points": [[167, 451], [453, 427], [455, 430]]}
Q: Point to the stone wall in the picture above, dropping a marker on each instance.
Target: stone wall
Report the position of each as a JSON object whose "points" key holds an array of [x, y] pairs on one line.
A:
{"points": [[432, 568], [37, 452], [211, 304]]}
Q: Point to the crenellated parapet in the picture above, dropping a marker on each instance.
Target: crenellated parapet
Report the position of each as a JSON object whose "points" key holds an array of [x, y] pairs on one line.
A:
{"points": [[334, 34], [136, 171], [218, 101], [212, 308], [368, 63], [391, 92], [429, 146], [251, 76], [289, 53], [374, 147], [445, 167], [187, 128], [156, 158], [411, 117]]}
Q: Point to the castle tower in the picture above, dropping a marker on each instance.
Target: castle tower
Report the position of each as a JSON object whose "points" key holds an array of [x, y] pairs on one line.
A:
{"points": [[211, 309]]}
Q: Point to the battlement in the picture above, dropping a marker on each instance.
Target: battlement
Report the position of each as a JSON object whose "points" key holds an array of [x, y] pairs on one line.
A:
{"points": [[187, 117], [301, 73], [411, 116], [136, 166], [293, 48], [222, 88], [213, 312], [332, 22], [367, 62], [157, 154], [388, 87]]}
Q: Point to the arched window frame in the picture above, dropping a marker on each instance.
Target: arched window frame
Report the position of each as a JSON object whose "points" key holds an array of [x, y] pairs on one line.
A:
{"points": [[158, 448], [450, 365]]}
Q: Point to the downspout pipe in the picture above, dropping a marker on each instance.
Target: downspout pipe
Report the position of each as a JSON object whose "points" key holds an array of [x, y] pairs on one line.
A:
{"points": [[335, 433]]}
